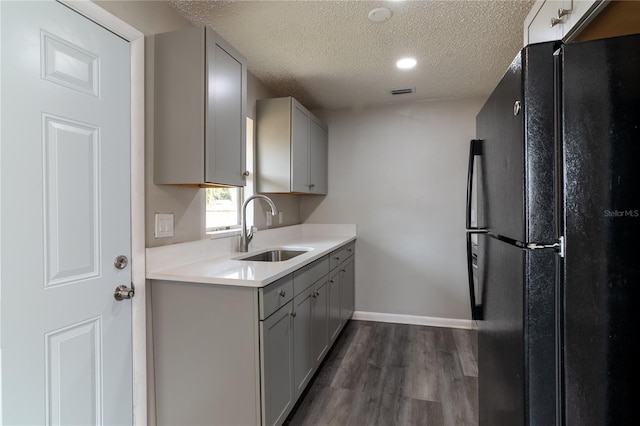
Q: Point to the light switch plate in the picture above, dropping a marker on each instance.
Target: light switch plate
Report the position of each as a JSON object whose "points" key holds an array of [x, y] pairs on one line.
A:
{"points": [[164, 225]]}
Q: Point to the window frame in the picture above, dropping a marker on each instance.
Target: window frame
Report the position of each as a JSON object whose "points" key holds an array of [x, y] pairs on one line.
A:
{"points": [[243, 192]]}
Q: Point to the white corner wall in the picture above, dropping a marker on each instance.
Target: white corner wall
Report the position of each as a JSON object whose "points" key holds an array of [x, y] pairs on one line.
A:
{"points": [[399, 173]]}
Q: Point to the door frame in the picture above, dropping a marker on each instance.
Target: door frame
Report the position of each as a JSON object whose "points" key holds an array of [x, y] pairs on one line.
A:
{"points": [[135, 38]]}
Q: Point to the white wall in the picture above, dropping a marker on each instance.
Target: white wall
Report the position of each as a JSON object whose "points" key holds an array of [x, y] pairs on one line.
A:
{"points": [[399, 173]]}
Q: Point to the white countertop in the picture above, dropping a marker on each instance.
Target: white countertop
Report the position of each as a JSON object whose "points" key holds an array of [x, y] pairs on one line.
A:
{"points": [[215, 261]]}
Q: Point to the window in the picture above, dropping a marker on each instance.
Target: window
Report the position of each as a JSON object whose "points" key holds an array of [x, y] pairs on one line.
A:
{"points": [[223, 204], [222, 208]]}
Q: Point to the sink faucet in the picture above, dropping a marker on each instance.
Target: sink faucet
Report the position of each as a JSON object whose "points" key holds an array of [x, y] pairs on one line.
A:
{"points": [[247, 236]]}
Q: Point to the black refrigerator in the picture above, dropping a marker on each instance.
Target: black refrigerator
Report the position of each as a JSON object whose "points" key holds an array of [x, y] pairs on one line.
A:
{"points": [[553, 255]]}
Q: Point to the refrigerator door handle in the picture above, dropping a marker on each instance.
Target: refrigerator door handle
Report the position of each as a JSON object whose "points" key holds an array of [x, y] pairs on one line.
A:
{"points": [[475, 149], [472, 263]]}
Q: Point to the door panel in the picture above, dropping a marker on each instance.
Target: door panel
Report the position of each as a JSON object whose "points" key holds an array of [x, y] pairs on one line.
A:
{"points": [[65, 217], [277, 365], [500, 333], [335, 319], [320, 321], [302, 340], [299, 147], [602, 229], [226, 124], [71, 200], [318, 156], [516, 175], [516, 334], [501, 174]]}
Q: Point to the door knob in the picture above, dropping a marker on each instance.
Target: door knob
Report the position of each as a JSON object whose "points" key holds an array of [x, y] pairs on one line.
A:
{"points": [[123, 292], [121, 262]]}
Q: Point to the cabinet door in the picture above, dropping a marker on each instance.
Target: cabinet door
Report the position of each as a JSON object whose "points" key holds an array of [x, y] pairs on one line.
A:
{"points": [[335, 319], [318, 153], [347, 288], [299, 147], [277, 365], [302, 356], [320, 321], [225, 144], [537, 26]]}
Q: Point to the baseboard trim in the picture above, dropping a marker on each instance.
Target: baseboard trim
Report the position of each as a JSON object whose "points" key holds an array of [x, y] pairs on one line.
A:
{"points": [[414, 320]]}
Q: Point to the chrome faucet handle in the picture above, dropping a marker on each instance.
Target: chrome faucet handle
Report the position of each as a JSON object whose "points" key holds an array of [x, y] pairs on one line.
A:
{"points": [[252, 230]]}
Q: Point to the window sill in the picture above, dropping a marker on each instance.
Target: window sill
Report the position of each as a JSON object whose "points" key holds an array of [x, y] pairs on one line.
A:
{"points": [[224, 233]]}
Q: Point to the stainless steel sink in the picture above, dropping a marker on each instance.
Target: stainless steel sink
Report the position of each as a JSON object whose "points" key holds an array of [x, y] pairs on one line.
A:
{"points": [[277, 255]]}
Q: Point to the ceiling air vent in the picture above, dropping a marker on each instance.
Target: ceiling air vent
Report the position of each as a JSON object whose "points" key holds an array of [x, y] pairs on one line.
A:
{"points": [[403, 91]]}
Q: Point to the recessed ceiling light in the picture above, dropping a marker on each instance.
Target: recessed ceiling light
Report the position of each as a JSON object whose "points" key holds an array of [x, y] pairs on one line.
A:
{"points": [[379, 14], [406, 63]]}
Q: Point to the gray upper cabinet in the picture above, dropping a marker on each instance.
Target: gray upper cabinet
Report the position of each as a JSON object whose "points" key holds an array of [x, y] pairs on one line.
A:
{"points": [[291, 154], [318, 156], [200, 98]]}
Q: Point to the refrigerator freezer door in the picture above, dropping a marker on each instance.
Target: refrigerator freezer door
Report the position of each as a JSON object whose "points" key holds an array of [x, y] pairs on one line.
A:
{"points": [[516, 174], [501, 178], [601, 137], [516, 336]]}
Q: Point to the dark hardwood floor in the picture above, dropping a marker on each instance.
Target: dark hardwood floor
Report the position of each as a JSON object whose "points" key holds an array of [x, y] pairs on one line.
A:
{"points": [[394, 374]]}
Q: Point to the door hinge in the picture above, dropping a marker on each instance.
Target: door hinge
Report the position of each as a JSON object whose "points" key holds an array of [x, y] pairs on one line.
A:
{"points": [[558, 246]]}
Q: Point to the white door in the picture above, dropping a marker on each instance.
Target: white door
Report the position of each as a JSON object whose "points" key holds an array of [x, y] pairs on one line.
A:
{"points": [[64, 218]]}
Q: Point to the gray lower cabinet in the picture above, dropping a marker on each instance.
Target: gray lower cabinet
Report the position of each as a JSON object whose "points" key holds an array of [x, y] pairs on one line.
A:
{"points": [[335, 318], [320, 321], [347, 288], [277, 354], [206, 354], [341, 288], [302, 338], [228, 355]]}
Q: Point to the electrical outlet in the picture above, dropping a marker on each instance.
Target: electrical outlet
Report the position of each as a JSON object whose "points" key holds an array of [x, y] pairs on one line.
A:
{"points": [[164, 225]]}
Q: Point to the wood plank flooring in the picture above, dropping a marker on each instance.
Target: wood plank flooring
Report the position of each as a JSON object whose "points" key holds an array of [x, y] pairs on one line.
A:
{"points": [[394, 374]]}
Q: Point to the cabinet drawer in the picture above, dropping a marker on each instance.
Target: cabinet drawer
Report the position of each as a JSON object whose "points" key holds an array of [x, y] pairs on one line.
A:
{"points": [[304, 277], [275, 295], [340, 255]]}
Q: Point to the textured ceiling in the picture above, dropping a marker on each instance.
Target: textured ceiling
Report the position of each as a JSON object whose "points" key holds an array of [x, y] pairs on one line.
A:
{"points": [[328, 54]]}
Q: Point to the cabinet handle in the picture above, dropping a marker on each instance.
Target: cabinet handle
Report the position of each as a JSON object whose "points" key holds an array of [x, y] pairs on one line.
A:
{"points": [[336, 258], [311, 186], [246, 173], [349, 250], [282, 293], [343, 270], [293, 314], [330, 281], [315, 294], [555, 21], [564, 12]]}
